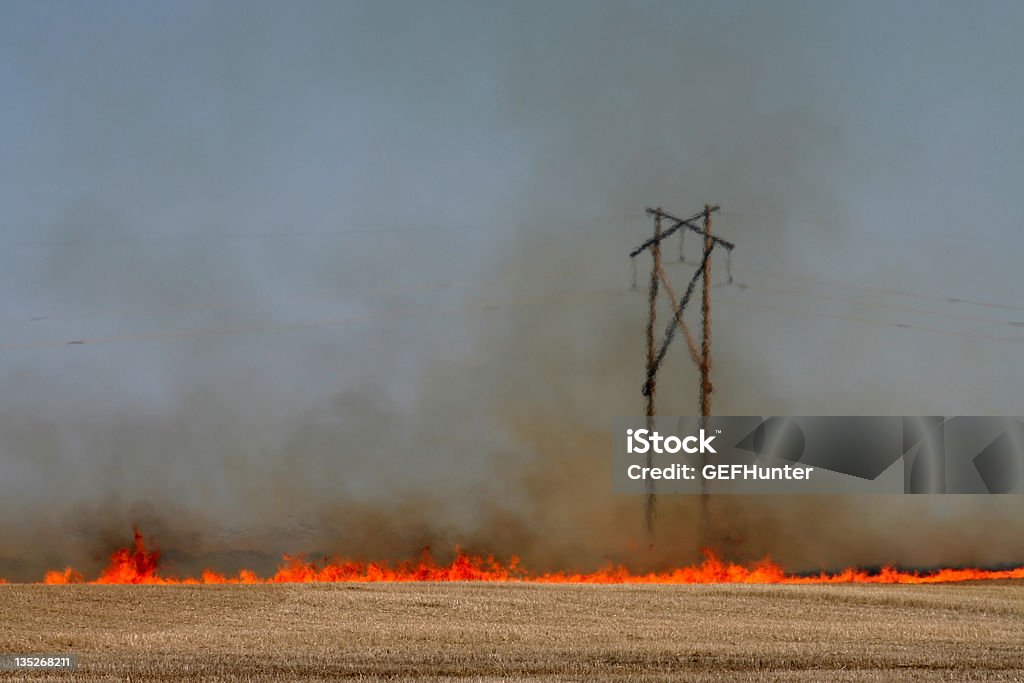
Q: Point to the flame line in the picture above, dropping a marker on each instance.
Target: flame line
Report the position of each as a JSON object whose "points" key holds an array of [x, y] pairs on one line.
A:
{"points": [[139, 565]]}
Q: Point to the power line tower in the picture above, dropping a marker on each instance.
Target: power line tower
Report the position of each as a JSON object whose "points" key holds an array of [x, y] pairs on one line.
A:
{"points": [[656, 353]]}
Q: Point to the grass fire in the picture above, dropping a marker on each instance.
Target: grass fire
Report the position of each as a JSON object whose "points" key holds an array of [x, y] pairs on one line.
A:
{"points": [[136, 564]]}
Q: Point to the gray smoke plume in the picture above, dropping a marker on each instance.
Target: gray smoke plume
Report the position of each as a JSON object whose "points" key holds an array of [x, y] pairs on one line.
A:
{"points": [[352, 278]]}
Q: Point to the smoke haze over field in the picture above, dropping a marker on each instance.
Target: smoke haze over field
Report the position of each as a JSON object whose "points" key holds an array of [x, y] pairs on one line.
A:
{"points": [[352, 277]]}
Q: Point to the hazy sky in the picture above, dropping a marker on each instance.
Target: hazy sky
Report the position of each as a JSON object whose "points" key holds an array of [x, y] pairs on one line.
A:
{"points": [[394, 218]]}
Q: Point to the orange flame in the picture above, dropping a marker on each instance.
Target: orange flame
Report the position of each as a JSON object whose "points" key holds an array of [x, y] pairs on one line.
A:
{"points": [[137, 565]]}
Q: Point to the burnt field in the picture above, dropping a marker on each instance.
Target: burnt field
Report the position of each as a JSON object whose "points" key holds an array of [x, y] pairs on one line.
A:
{"points": [[512, 631]]}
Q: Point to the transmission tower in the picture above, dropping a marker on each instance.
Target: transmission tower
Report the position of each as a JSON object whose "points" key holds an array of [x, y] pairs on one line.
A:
{"points": [[701, 355]]}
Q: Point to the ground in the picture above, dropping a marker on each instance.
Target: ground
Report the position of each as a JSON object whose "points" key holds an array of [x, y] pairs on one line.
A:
{"points": [[502, 631]]}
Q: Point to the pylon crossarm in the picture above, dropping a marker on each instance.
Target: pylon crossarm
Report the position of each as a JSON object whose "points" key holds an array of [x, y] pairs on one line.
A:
{"points": [[681, 223]]}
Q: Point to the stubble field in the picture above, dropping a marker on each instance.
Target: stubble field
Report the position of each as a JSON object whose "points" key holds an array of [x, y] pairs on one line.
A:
{"points": [[509, 631]]}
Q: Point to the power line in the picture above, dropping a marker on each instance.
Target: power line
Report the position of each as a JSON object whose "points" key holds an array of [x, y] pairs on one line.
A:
{"points": [[887, 291], [760, 305], [411, 311], [145, 313], [882, 305], [539, 302], [475, 309]]}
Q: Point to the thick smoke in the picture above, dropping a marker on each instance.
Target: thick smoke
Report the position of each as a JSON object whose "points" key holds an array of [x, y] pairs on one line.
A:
{"points": [[352, 279]]}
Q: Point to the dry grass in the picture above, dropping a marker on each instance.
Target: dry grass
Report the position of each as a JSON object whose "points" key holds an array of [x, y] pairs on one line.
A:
{"points": [[520, 632]]}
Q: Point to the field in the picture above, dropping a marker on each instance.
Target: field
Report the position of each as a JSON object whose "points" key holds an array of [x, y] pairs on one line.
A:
{"points": [[485, 631]]}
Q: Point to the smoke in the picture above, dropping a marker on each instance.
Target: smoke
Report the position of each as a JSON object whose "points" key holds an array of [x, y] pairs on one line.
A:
{"points": [[354, 280]]}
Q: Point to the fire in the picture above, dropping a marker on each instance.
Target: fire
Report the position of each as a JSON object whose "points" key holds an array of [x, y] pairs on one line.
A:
{"points": [[138, 565]]}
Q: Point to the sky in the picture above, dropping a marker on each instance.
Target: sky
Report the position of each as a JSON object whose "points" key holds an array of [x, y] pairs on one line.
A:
{"points": [[353, 251]]}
